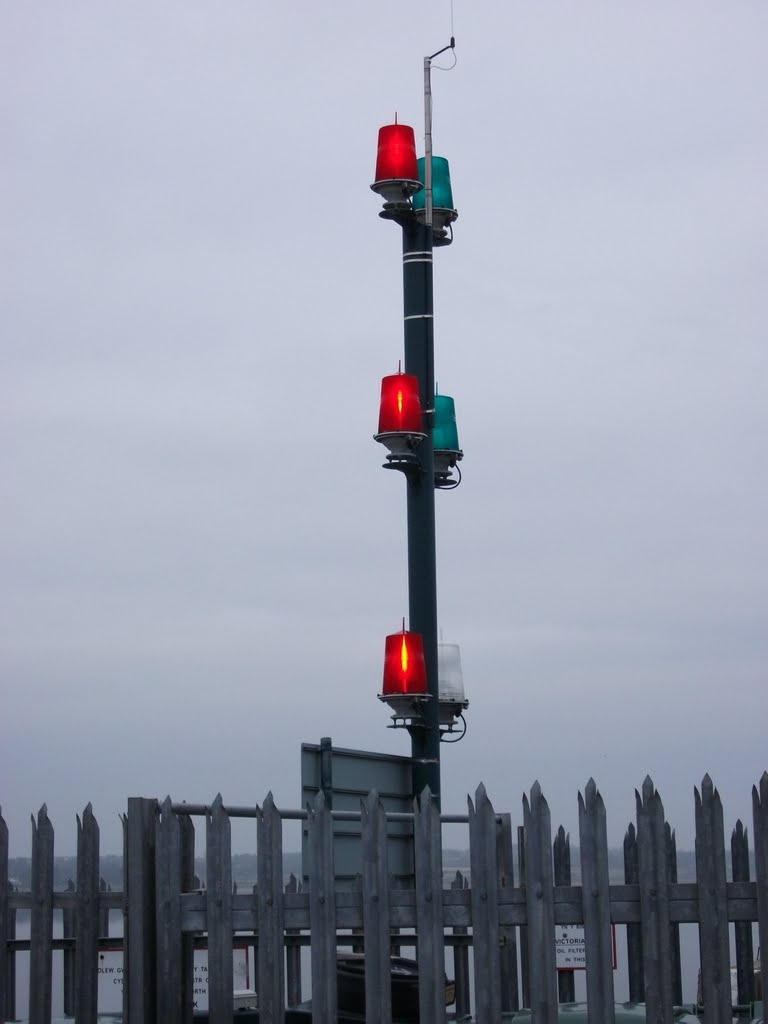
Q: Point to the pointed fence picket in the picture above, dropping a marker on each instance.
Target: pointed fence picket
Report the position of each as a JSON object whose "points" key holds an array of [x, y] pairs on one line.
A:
{"points": [[271, 917], [485, 908], [540, 905], [165, 910], [566, 986], [140, 963], [87, 918], [41, 920], [654, 904], [168, 889], [376, 914], [635, 969], [745, 956], [596, 901], [713, 904], [218, 848]]}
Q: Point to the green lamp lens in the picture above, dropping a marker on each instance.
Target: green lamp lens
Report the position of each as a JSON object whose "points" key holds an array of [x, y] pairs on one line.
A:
{"points": [[442, 194], [445, 436]]}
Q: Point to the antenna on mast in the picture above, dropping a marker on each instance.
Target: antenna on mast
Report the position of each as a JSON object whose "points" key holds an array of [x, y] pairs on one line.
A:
{"points": [[428, 126]]}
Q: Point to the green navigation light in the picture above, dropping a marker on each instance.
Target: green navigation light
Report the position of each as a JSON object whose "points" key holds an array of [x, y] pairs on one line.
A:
{"points": [[442, 194], [445, 435]]}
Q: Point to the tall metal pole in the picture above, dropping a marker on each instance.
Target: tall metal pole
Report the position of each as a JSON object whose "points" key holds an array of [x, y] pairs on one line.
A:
{"points": [[419, 467], [422, 562], [418, 312], [428, 141]]}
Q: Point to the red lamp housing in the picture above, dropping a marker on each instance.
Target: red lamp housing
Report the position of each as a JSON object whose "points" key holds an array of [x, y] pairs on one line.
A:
{"points": [[405, 673], [400, 409], [396, 156], [397, 174]]}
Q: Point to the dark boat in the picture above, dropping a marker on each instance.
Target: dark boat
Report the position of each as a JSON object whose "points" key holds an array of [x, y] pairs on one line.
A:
{"points": [[350, 979]]}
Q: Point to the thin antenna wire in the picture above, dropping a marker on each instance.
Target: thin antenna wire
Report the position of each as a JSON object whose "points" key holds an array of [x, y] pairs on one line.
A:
{"points": [[451, 47], [440, 67]]}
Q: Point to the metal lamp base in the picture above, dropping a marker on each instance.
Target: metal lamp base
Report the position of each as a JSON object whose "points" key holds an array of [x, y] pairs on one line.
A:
{"points": [[396, 190], [399, 441], [445, 461], [448, 710], [407, 708]]}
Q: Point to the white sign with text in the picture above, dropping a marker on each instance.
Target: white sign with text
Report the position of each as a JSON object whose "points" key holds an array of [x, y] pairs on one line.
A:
{"points": [[110, 991], [570, 951]]}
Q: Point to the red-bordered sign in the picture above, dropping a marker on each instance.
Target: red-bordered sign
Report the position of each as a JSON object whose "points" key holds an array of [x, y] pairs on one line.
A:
{"points": [[570, 950]]}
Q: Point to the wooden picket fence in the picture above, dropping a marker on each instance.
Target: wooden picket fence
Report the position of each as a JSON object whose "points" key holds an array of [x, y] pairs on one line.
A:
{"points": [[166, 913]]}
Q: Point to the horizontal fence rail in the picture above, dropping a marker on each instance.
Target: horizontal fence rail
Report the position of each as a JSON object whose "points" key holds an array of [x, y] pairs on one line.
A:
{"points": [[167, 913]]}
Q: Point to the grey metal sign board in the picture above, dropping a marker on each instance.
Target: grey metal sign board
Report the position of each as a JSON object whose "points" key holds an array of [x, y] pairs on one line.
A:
{"points": [[346, 777]]}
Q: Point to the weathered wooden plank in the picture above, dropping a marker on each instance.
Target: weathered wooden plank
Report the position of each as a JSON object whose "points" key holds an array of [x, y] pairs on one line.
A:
{"points": [[322, 912], [510, 999], [598, 939], [461, 957], [139, 990], [540, 906], [271, 921], [635, 969], [87, 918], [218, 846], [670, 845], [378, 984], [561, 855], [745, 955], [568, 908], [41, 920], [654, 907], [713, 908], [293, 952], [168, 861], [429, 909], [760, 826], [5, 922], [485, 907]]}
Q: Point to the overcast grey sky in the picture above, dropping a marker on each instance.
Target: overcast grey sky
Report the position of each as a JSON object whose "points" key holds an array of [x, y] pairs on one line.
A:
{"points": [[200, 554]]}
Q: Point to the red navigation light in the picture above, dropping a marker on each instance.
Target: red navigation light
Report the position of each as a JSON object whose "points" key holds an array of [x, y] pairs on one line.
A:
{"points": [[396, 156], [397, 173], [404, 669], [400, 409]]}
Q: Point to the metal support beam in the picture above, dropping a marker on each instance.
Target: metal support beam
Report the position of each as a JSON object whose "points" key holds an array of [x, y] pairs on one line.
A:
{"points": [[422, 563]]}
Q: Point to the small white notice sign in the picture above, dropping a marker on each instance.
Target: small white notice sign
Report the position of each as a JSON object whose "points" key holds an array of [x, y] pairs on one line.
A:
{"points": [[570, 949], [110, 985]]}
